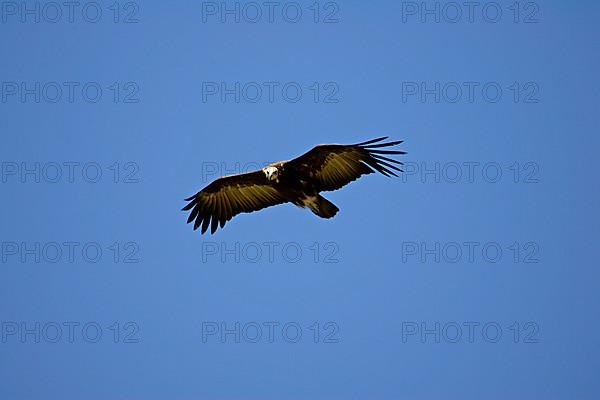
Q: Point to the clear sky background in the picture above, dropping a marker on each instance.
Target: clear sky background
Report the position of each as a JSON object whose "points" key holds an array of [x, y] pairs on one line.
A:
{"points": [[399, 312]]}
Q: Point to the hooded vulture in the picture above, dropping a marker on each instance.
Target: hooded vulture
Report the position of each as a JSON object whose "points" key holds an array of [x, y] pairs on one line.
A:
{"points": [[325, 167]]}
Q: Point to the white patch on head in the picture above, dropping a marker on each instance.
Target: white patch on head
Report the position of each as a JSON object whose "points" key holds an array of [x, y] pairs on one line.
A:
{"points": [[272, 173]]}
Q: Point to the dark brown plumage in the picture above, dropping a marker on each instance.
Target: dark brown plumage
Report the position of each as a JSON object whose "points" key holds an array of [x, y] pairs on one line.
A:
{"points": [[324, 168]]}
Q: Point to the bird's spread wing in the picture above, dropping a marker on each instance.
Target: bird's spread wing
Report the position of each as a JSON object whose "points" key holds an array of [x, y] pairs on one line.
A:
{"points": [[335, 165], [230, 195]]}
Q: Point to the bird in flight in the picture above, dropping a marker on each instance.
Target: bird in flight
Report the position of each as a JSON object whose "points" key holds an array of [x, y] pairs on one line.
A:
{"points": [[325, 167]]}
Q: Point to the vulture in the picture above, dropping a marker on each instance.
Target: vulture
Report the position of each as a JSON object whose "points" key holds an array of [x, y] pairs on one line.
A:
{"points": [[325, 167]]}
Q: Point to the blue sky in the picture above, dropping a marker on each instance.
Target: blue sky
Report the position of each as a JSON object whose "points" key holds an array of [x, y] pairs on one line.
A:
{"points": [[472, 275]]}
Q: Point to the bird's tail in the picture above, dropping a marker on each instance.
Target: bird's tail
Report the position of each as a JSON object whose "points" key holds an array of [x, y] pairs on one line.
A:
{"points": [[322, 207]]}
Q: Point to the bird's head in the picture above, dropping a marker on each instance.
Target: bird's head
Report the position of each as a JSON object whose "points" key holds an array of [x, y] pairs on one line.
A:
{"points": [[271, 172]]}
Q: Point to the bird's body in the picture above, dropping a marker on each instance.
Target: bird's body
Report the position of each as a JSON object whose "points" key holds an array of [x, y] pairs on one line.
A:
{"points": [[298, 186], [298, 181]]}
